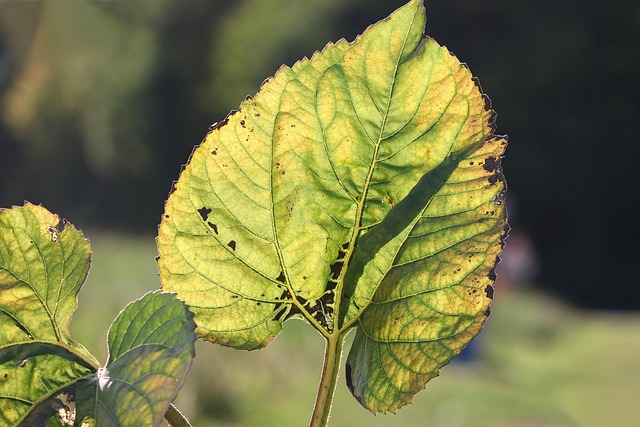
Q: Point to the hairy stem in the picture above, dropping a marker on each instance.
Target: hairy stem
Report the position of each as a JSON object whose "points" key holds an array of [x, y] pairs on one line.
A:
{"points": [[327, 387], [174, 417]]}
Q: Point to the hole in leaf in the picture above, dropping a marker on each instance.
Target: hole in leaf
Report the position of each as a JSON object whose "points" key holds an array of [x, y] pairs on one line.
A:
{"points": [[213, 226], [489, 291], [54, 233], [204, 212]]}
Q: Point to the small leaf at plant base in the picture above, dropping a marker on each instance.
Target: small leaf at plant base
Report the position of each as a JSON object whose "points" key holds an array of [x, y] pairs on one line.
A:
{"points": [[43, 264], [151, 347], [359, 188]]}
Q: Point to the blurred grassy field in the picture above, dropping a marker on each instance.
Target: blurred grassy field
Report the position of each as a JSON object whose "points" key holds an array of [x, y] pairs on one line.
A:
{"points": [[536, 364]]}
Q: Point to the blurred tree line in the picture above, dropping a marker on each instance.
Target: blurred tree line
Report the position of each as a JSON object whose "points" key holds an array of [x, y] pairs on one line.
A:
{"points": [[102, 101]]}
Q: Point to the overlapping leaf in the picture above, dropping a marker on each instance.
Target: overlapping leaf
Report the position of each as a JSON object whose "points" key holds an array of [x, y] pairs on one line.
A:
{"points": [[151, 346], [360, 188], [43, 263]]}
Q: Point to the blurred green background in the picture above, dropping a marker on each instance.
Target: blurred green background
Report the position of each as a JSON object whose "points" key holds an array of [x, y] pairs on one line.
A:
{"points": [[102, 101]]}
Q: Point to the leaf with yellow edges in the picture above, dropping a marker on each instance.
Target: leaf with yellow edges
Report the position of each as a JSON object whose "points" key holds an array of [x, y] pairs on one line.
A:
{"points": [[359, 188]]}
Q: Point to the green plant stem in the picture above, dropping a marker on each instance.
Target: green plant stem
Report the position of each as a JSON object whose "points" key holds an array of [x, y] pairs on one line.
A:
{"points": [[174, 418], [328, 379]]}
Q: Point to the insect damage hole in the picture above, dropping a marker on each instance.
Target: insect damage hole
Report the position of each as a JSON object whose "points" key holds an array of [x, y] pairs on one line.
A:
{"points": [[204, 212], [54, 233]]}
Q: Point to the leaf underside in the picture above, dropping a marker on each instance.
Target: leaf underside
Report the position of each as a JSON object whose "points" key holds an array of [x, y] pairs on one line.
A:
{"points": [[151, 347], [43, 264], [359, 188]]}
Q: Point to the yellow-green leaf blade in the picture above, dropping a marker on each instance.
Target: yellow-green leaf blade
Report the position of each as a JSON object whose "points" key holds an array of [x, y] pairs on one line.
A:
{"points": [[350, 191], [42, 268], [43, 263], [151, 347], [435, 297]]}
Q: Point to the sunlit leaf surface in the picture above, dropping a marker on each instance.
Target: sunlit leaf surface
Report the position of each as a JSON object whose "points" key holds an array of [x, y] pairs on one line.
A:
{"points": [[151, 347], [43, 264], [359, 188]]}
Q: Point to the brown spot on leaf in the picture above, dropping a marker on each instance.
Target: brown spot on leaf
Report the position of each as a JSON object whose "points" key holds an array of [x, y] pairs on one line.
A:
{"points": [[281, 278], [232, 245]]}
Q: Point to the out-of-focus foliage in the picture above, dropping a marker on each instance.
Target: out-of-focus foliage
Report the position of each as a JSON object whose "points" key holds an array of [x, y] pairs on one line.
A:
{"points": [[562, 74]]}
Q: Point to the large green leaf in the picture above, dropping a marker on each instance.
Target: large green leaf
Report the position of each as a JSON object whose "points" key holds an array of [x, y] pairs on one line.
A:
{"points": [[151, 347], [359, 188], [43, 263]]}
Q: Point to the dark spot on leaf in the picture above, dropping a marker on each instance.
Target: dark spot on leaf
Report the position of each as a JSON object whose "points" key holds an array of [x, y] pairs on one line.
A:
{"points": [[6, 376], [242, 123], [234, 296], [492, 275], [490, 164], [215, 152], [166, 216], [257, 114], [489, 291], [213, 226], [481, 220], [487, 312], [285, 294], [204, 213], [345, 246], [471, 163], [281, 278], [258, 303], [336, 269], [232, 245]]}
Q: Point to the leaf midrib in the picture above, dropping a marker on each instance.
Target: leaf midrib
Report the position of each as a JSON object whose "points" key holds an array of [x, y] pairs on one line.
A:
{"points": [[367, 184]]}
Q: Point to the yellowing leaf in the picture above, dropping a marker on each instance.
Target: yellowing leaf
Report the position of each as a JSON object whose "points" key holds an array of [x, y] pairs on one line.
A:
{"points": [[359, 188], [43, 264], [151, 346]]}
